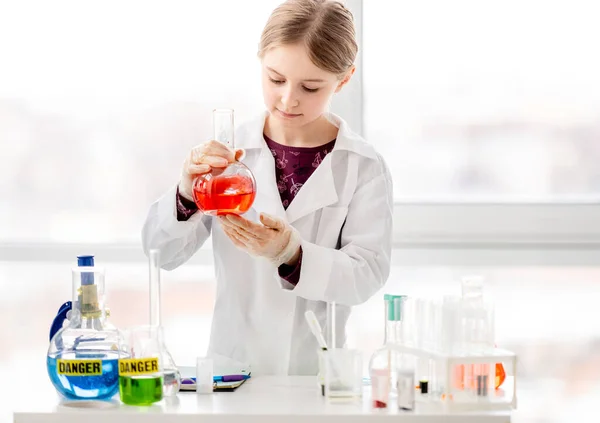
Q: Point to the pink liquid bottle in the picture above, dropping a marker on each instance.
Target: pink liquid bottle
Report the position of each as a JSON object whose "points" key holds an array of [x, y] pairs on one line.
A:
{"points": [[225, 190]]}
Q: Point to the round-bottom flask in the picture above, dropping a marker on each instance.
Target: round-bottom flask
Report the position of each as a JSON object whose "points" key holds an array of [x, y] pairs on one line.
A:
{"points": [[83, 363], [82, 359], [225, 190]]}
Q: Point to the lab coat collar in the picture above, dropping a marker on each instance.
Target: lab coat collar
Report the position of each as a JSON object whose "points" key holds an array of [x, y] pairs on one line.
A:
{"points": [[250, 136], [318, 191]]}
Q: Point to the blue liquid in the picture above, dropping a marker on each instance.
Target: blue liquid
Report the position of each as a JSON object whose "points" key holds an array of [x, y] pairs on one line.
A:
{"points": [[103, 386]]}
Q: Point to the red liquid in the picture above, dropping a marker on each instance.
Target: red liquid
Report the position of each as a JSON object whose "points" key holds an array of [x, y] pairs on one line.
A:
{"points": [[500, 375], [465, 375], [217, 195]]}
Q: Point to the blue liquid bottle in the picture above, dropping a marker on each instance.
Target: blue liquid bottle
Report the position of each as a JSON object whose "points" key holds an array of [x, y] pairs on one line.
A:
{"points": [[83, 356]]}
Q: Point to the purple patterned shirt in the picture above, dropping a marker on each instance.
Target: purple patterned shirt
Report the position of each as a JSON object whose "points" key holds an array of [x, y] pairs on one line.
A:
{"points": [[293, 167]]}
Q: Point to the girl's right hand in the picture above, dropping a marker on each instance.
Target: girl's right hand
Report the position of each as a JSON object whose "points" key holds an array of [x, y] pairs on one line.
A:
{"points": [[201, 160]]}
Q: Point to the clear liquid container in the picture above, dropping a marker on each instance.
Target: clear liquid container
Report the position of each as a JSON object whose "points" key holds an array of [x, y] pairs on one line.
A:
{"points": [[228, 190], [171, 377], [387, 361], [82, 359]]}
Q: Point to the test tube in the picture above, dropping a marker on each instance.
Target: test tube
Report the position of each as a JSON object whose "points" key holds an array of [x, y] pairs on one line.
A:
{"points": [[331, 334], [406, 389]]}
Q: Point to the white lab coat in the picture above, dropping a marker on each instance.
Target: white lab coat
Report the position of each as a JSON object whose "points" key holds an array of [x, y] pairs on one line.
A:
{"points": [[344, 215]]}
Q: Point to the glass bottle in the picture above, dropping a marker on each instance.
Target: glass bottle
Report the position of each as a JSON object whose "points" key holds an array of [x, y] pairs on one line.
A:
{"points": [[225, 190], [170, 372], [82, 359], [386, 361]]}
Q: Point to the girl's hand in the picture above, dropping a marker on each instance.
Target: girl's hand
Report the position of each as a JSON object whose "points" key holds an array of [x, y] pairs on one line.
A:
{"points": [[201, 160], [274, 239]]}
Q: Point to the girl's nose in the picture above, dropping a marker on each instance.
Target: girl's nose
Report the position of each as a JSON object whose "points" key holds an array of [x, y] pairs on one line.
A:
{"points": [[289, 99]]}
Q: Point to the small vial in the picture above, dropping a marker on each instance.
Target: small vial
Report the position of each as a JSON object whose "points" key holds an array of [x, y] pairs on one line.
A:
{"points": [[380, 387], [204, 375], [424, 387], [406, 390]]}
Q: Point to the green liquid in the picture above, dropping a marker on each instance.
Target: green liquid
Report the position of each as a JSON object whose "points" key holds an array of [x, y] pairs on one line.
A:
{"points": [[141, 390]]}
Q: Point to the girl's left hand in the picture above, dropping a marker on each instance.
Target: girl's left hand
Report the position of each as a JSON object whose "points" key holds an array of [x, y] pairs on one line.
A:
{"points": [[274, 240]]}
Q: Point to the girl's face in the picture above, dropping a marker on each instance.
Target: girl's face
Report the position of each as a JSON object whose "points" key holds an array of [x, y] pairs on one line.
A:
{"points": [[296, 92]]}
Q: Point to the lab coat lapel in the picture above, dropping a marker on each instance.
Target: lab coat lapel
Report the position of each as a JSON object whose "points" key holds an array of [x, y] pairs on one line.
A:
{"points": [[267, 198], [317, 192]]}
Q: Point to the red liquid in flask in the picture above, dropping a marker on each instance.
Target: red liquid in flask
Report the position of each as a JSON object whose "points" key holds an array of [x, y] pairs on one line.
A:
{"points": [[218, 195]]}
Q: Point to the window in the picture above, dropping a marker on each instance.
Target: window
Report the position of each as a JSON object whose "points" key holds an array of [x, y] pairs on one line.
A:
{"points": [[494, 101], [100, 103]]}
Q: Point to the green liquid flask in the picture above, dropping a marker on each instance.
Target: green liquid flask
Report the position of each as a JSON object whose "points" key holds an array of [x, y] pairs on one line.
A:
{"points": [[141, 375], [141, 390]]}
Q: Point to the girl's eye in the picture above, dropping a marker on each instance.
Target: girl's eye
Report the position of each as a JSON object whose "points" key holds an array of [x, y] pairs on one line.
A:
{"points": [[276, 81], [310, 90]]}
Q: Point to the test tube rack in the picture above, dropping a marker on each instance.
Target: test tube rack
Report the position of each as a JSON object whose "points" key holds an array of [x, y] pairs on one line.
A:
{"points": [[475, 390]]}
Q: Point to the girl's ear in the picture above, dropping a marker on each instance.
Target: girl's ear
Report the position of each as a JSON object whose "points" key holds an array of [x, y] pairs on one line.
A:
{"points": [[345, 79]]}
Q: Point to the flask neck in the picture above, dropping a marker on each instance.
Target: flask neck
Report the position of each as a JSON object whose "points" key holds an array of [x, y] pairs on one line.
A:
{"points": [[223, 127], [393, 308], [392, 332], [95, 323]]}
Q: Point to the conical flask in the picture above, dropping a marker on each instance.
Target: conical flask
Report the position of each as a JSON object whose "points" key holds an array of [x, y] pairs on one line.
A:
{"points": [[171, 375], [225, 190], [382, 365], [82, 359]]}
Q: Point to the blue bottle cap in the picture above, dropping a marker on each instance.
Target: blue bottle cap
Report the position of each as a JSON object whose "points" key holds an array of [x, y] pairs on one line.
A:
{"points": [[85, 261]]}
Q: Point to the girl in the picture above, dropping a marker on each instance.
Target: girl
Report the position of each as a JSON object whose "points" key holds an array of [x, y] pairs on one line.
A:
{"points": [[320, 228]]}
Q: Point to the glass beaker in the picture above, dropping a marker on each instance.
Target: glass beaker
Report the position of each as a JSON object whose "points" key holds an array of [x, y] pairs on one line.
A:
{"points": [[140, 376], [83, 355], [225, 190], [343, 374]]}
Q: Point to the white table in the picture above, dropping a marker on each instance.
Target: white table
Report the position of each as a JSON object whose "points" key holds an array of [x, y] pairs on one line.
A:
{"points": [[295, 399]]}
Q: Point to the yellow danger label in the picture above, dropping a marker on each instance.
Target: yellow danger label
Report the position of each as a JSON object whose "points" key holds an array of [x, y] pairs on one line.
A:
{"points": [[79, 367], [138, 366]]}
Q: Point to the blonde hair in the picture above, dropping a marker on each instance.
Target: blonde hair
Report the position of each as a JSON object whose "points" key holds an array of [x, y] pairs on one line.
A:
{"points": [[325, 27]]}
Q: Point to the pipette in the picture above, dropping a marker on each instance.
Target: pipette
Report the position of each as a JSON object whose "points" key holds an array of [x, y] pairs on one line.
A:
{"points": [[315, 328]]}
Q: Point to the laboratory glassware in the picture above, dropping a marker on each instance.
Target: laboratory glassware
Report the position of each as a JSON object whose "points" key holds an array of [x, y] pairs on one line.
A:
{"points": [[477, 320], [170, 371], [387, 362], [204, 375], [343, 373], [83, 355], [141, 375], [225, 190]]}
